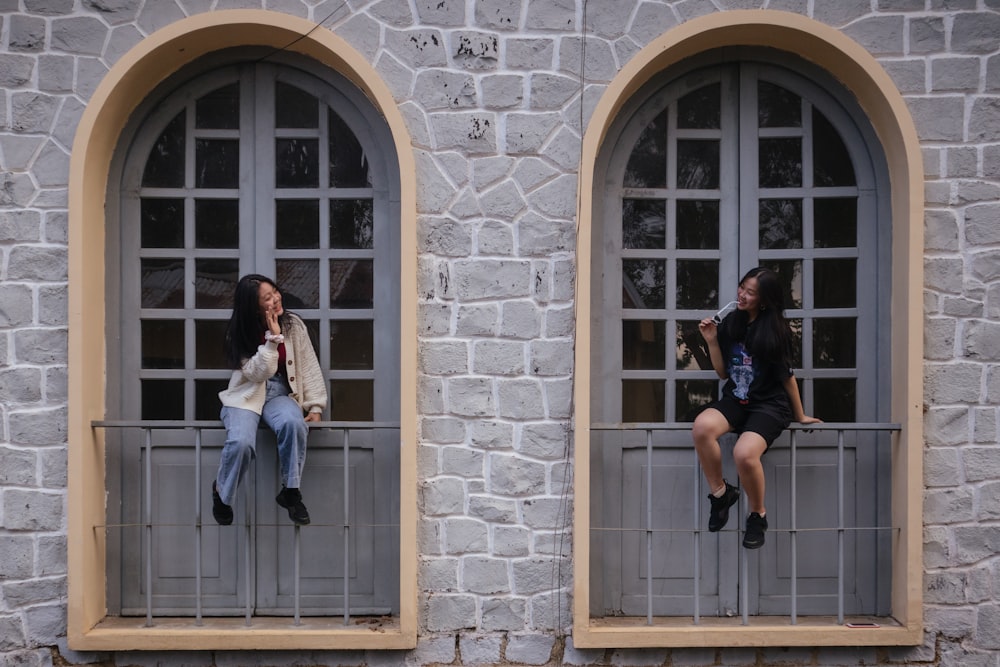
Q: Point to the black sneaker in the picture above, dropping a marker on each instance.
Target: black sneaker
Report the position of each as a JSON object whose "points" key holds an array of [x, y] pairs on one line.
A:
{"points": [[719, 514], [753, 538], [222, 512], [291, 500]]}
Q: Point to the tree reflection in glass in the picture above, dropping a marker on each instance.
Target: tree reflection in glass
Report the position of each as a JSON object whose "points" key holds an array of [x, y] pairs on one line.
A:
{"points": [[832, 165], [700, 109], [780, 162], [165, 165], [780, 223], [643, 283], [697, 283], [647, 163], [697, 164], [644, 224], [777, 106]]}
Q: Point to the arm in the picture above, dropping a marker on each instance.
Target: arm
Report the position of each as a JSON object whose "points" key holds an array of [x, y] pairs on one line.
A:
{"points": [[710, 332], [798, 413]]}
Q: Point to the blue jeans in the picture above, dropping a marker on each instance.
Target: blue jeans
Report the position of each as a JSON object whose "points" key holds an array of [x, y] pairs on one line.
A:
{"points": [[284, 416]]}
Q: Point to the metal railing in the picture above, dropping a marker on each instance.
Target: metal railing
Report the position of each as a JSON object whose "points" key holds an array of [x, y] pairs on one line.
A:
{"points": [[149, 426], [793, 530]]}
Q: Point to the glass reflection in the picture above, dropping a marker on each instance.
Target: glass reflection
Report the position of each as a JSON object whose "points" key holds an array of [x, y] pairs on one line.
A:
{"points": [[209, 346], [644, 224], [296, 163], [700, 109], [795, 324], [352, 223], [219, 110], [165, 165], [835, 223], [647, 163], [835, 283], [780, 163], [296, 223], [644, 344], [299, 280], [351, 344], [643, 283], [351, 283], [692, 351], [790, 276], [697, 224], [294, 108], [832, 164], [162, 223], [697, 164], [352, 400], [162, 343], [216, 163], [692, 397], [780, 223], [348, 162], [697, 283], [643, 401], [214, 282], [835, 400], [217, 223], [834, 342], [206, 398], [162, 283], [777, 107], [163, 399]]}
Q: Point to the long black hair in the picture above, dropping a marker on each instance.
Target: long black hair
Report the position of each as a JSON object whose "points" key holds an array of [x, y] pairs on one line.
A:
{"points": [[770, 338], [246, 325]]}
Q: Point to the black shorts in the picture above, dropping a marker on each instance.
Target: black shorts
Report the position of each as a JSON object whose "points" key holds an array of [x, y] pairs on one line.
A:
{"points": [[744, 417]]}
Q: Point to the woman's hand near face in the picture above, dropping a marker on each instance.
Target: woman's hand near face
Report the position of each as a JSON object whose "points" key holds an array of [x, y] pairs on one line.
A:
{"points": [[271, 319], [709, 329]]}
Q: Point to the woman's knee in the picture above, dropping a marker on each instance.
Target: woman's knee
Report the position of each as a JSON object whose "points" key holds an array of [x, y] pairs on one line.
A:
{"points": [[708, 426]]}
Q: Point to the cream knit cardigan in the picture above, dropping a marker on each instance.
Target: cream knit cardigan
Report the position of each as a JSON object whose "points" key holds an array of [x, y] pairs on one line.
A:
{"points": [[247, 386]]}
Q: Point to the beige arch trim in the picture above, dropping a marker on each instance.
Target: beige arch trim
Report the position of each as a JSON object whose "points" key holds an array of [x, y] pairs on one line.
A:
{"points": [[128, 82], [861, 73]]}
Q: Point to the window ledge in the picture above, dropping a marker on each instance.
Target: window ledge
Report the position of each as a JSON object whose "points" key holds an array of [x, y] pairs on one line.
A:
{"points": [[270, 633], [676, 632]]}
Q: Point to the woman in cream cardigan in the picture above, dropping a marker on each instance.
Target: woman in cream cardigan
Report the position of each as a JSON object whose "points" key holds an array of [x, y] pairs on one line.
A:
{"points": [[277, 376]]}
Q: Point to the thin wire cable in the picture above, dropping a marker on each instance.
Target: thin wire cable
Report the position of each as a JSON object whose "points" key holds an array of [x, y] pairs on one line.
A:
{"points": [[304, 35]]}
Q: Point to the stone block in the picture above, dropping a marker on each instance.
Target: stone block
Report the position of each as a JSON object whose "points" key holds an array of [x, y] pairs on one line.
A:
{"points": [[430, 395], [418, 49], [544, 441], [880, 35], [37, 264], [948, 506], [975, 32], [435, 12], [520, 399], [53, 305], [44, 624], [503, 614], [975, 543], [15, 71], [962, 308], [36, 591], [540, 575], [38, 511], [11, 632], [988, 501], [448, 613], [529, 53], [439, 575], [515, 476], [504, 201], [981, 463], [16, 310], [927, 34], [498, 357], [951, 622], [434, 319], [581, 656], [650, 21], [941, 230], [939, 337], [444, 237], [436, 191], [498, 14], [477, 320], [443, 496], [18, 226], [980, 224], [462, 461], [558, 398], [551, 91], [51, 555], [492, 509], [552, 357], [838, 14], [466, 536], [484, 279], [444, 358], [551, 611], [429, 537], [471, 397], [442, 430], [471, 133], [521, 320], [556, 199], [17, 556], [984, 266], [495, 238], [437, 89], [938, 551], [528, 132], [484, 575], [908, 75], [945, 426], [980, 341], [17, 466], [944, 587], [984, 424], [41, 346], [492, 435], [433, 650], [984, 120], [529, 649], [82, 35], [26, 33], [547, 513], [943, 274], [480, 649], [474, 50], [503, 91], [511, 541]]}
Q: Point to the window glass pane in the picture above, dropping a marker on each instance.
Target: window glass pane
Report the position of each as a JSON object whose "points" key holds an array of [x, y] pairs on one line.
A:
{"points": [[777, 107], [214, 282], [162, 223], [217, 223], [352, 400], [780, 223], [162, 399], [165, 164], [206, 399], [209, 344], [217, 163], [296, 223], [697, 283], [643, 401], [692, 351], [692, 397], [351, 283], [835, 223], [832, 164], [351, 344], [795, 324], [299, 281], [790, 275], [835, 283], [834, 399], [352, 223], [697, 225], [700, 109], [644, 344], [643, 283], [834, 342], [162, 282], [647, 163], [296, 163], [293, 107], [780, 163], [219, 110], [162, 343], [697, 164], [348, 163], [644, 224]]}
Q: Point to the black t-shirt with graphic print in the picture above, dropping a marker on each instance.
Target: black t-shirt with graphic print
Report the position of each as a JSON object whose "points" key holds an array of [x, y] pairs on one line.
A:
{"points": [[756, 383]]}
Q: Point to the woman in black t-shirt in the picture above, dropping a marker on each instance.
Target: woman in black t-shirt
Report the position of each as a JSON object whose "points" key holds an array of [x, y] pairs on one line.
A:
{"points": [[750, 349]]}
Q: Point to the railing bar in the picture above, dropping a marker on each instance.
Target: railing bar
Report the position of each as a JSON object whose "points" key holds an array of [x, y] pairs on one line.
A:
{"points": [[793, 541], [347, 528], [840, 527], [197, 527], [744, 568], [217, 425], [248, 592], [148, 517], [298, 576], [686, 426], [649, 527], [697, 542]]}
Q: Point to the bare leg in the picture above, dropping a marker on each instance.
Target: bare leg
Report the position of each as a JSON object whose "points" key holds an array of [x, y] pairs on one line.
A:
{"points": [[747, 452], [708, 427]]}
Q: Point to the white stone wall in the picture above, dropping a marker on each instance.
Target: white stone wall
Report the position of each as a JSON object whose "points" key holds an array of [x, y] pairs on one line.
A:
{"points": [[492, 93]]}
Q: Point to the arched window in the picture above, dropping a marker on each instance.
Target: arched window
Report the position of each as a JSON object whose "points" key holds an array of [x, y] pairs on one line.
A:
{"points": [[278, 167]]}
